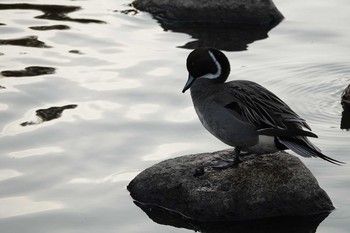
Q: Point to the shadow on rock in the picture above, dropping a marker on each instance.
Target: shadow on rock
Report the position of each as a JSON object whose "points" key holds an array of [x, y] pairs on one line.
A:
{"points": [[272, 225], [49, 114]]}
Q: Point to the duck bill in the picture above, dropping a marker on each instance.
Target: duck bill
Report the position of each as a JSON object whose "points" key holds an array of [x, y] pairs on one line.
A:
{"points": [[188, 83]]}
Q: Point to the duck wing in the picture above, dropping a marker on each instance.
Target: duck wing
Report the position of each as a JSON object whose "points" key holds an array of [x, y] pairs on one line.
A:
{"points": [[271, 116], [260, 107]]}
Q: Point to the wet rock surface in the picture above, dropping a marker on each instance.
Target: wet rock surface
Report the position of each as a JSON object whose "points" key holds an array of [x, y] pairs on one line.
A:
{"points": [[221, 11], [263, 186]]}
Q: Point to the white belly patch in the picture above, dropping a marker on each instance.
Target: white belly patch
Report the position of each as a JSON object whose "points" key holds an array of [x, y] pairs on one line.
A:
{"points": [[266, 144]]}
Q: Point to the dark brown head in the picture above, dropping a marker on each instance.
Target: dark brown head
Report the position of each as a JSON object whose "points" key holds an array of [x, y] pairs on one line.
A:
{"points": [[207, 63]]}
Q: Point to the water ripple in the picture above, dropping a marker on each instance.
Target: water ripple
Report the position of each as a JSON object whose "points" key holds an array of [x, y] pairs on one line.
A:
{"points": [[52, 12], [313, 90], [29, 71], [28, 41]]}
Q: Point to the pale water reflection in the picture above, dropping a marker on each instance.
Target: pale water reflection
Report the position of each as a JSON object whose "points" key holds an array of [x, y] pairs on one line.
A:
{"points": [[35, 119], [7, 174], [181, 115], [14, 206], [125, 74], [35, 152], [166, 151], [112, 178], [142, 111]]}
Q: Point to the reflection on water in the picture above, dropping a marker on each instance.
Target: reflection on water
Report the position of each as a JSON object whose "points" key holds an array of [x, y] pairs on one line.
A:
{"points": [[28, 41], [14, 206], [7, 174], [132, 11], [345, 102], [125, 74], [228, 37], [345, 120], [35, 152], [162, 216], [165, 151], [345, 99], [29, 71], [75, 51], [49, 114], [52, 27], [53, 12], [112, 178]]}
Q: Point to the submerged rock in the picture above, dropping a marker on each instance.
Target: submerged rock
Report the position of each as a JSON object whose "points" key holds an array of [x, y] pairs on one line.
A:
{"points": [[305, 224], [345, 102], [257, 12], [345, 99], [265, 186], [29, 71]]}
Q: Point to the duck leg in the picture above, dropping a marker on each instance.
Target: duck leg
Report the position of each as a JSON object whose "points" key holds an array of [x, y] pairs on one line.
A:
{"points": [[224, 163]]}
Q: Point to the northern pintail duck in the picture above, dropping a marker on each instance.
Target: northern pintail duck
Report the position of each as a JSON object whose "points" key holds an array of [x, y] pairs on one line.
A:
{"points": [[242, 113]]}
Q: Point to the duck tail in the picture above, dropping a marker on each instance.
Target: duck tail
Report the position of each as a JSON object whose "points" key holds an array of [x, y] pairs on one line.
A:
{"points": [[302, 146]]}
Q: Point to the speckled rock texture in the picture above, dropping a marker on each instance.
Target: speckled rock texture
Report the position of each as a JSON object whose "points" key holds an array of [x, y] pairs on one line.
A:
{"points": [[256, 12], [263, 186]]}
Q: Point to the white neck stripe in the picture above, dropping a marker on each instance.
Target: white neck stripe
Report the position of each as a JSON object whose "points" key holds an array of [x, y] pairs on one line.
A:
{"points": [[218, 66]]}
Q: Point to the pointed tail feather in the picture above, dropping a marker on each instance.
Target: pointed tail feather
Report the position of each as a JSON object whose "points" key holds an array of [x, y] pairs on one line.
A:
{"points": [[286, 132], [303, 147]]}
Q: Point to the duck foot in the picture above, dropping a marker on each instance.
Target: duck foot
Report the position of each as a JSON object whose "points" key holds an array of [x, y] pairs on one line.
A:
{"points": [[234, 161], [245, 153], [226, 163]]}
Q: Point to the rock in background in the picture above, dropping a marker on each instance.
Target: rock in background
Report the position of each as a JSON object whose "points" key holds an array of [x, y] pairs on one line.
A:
{"points": [[229, 25], [256, 12]]}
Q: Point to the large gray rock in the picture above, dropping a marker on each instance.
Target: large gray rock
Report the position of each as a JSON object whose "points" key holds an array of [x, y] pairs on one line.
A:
{"points": [[261, 187], [258, 12]]}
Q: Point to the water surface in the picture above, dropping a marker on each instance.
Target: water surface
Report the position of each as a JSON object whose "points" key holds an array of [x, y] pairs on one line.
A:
{"points": [[124, 73]]}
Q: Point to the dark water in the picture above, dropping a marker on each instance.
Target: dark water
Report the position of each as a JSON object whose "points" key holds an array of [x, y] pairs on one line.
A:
{"points": [[90, 95]]}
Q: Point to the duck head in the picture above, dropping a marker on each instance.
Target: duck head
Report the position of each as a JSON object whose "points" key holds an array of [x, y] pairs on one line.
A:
{"points": [[207, 63]]}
